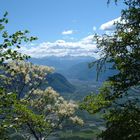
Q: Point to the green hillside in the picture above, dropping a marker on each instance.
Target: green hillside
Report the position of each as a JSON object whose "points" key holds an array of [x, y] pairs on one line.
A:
{"points": [[59, 83]]}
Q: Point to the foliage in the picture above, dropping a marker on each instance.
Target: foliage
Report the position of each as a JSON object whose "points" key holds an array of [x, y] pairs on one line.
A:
{"points": [[6, 118], [10, 43], [37, 112], [22, 77], [26, 110], [122, 50], [124, 122], [96, 102]]}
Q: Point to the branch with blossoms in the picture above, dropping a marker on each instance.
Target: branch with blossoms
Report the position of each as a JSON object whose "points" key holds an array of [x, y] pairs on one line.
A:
{"points": [[38, 112], [55, 108], [23, 77]]}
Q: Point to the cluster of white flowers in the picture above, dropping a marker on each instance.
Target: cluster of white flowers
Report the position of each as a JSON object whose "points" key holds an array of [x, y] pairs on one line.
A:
{"points": [[55, 106], [28, 70], [67, 108], [77, 120], [47, 102], [19, 74], [48, 96]]}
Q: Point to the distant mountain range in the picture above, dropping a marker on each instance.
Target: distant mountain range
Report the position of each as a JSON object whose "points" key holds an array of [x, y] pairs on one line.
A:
{"points": [[61, 64], [74, 67], [72, 75]]}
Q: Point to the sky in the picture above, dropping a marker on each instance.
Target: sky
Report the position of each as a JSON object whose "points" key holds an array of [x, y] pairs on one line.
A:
{"points": [[63, 27]]}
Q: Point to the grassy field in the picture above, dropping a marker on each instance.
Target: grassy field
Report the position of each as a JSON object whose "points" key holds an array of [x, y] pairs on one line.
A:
{"points": [[79, 135]]}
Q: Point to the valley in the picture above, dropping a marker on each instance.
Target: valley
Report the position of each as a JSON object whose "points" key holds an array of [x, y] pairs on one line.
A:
{"points": [[74, 80]]}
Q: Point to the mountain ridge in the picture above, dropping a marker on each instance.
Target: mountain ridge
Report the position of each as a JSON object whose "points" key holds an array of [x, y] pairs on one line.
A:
{"points": [[59, 83], [75, 67]]}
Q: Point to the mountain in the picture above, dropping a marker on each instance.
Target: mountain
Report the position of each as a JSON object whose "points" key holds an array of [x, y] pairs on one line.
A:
{"points": [[74, 67], [61, 64], [59, 83], [82, 72], [55, 80]]}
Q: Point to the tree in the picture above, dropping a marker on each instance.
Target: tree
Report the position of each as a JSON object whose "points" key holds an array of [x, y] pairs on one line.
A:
{"points": [[8, 51], [26, 109], [11, 43], [124, 122], [122, 50], [36, 112]]}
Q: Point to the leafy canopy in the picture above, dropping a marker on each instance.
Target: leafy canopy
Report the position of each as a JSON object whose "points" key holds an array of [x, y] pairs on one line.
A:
{"points": [[122, 50]]}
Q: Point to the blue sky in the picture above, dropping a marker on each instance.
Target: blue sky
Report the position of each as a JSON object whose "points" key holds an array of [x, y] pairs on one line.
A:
{"points": [[53, 20]]}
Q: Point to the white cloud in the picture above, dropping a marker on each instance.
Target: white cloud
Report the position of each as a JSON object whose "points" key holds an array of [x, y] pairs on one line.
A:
{"points": [[59, 48], [67, 32], [94, 28], [109, 25]]}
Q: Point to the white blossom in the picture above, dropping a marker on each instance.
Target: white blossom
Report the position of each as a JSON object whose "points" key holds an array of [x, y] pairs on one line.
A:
{"points": [[77, 120]]}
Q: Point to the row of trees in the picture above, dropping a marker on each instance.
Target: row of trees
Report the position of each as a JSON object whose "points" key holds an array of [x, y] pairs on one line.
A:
{"points": [[122, 50], [26, 109]]}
